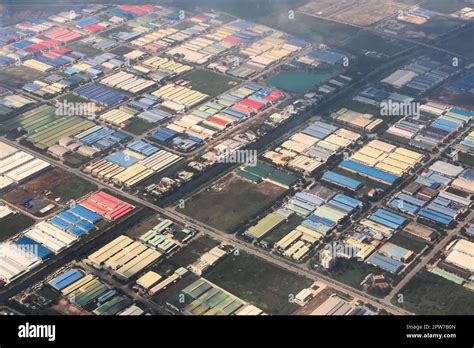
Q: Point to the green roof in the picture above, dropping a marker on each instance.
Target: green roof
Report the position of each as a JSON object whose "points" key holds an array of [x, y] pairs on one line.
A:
{"points": [[446, 275], [283, 178], [113, 306], [249, 176]]}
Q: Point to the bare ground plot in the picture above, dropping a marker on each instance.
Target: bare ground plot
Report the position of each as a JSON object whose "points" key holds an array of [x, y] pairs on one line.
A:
{"points": [[316, 30], [47, 181], [192, 251], [366, 41], [187, 255], [65, 307], [231, 202], [326, 7], [256, 281], [314, 303], [143, 226], [368, 12], [27, 200], [16, 76], [88, 50]]}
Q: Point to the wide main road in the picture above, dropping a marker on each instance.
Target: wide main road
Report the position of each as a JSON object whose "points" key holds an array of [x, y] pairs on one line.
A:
{"points": [[228, 238]]}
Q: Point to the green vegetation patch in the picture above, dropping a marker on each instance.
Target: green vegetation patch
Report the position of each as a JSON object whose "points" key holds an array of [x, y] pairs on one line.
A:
{"points": [[16, 76], [73, 188], [258, 282], [429, 294], [298, 81], [209, 82], [13, 225], [228, 207], [408, 242], [138, 126], [283, 229], [352, 272]]}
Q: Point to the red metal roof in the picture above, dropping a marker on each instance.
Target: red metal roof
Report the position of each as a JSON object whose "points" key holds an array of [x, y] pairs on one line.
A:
{"points": [[106, 205], [252, 103]]}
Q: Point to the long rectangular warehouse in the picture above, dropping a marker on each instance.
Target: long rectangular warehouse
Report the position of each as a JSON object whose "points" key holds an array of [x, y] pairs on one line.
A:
{"points": [[124, 256]]}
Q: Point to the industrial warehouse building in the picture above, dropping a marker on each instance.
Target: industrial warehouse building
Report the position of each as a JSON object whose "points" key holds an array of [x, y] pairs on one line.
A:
{"points": [[87, 291], [439, 194], [216, 116], [124, 257], [461, 254], [205, 298], [17, 167], [107, 206], [365, 122], [309, 149], [16, 260], [127, 168], [382, 162]]}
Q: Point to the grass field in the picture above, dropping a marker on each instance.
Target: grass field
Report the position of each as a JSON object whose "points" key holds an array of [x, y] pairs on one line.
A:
{"points": [[406, 241], [232, 204], [443, 6], [459, 44], [450, 97], [73, 188], [429, 294], [138, 126], [121, 50], [352, 272], [282, 230], [440, 25], [143, 226], [367, 41], [16, 76], [311, 28], [86, 49], [13, 225], [191, 252], [298, 81], [75, 160], [258, 282], [174, 290], [209, 82]]}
